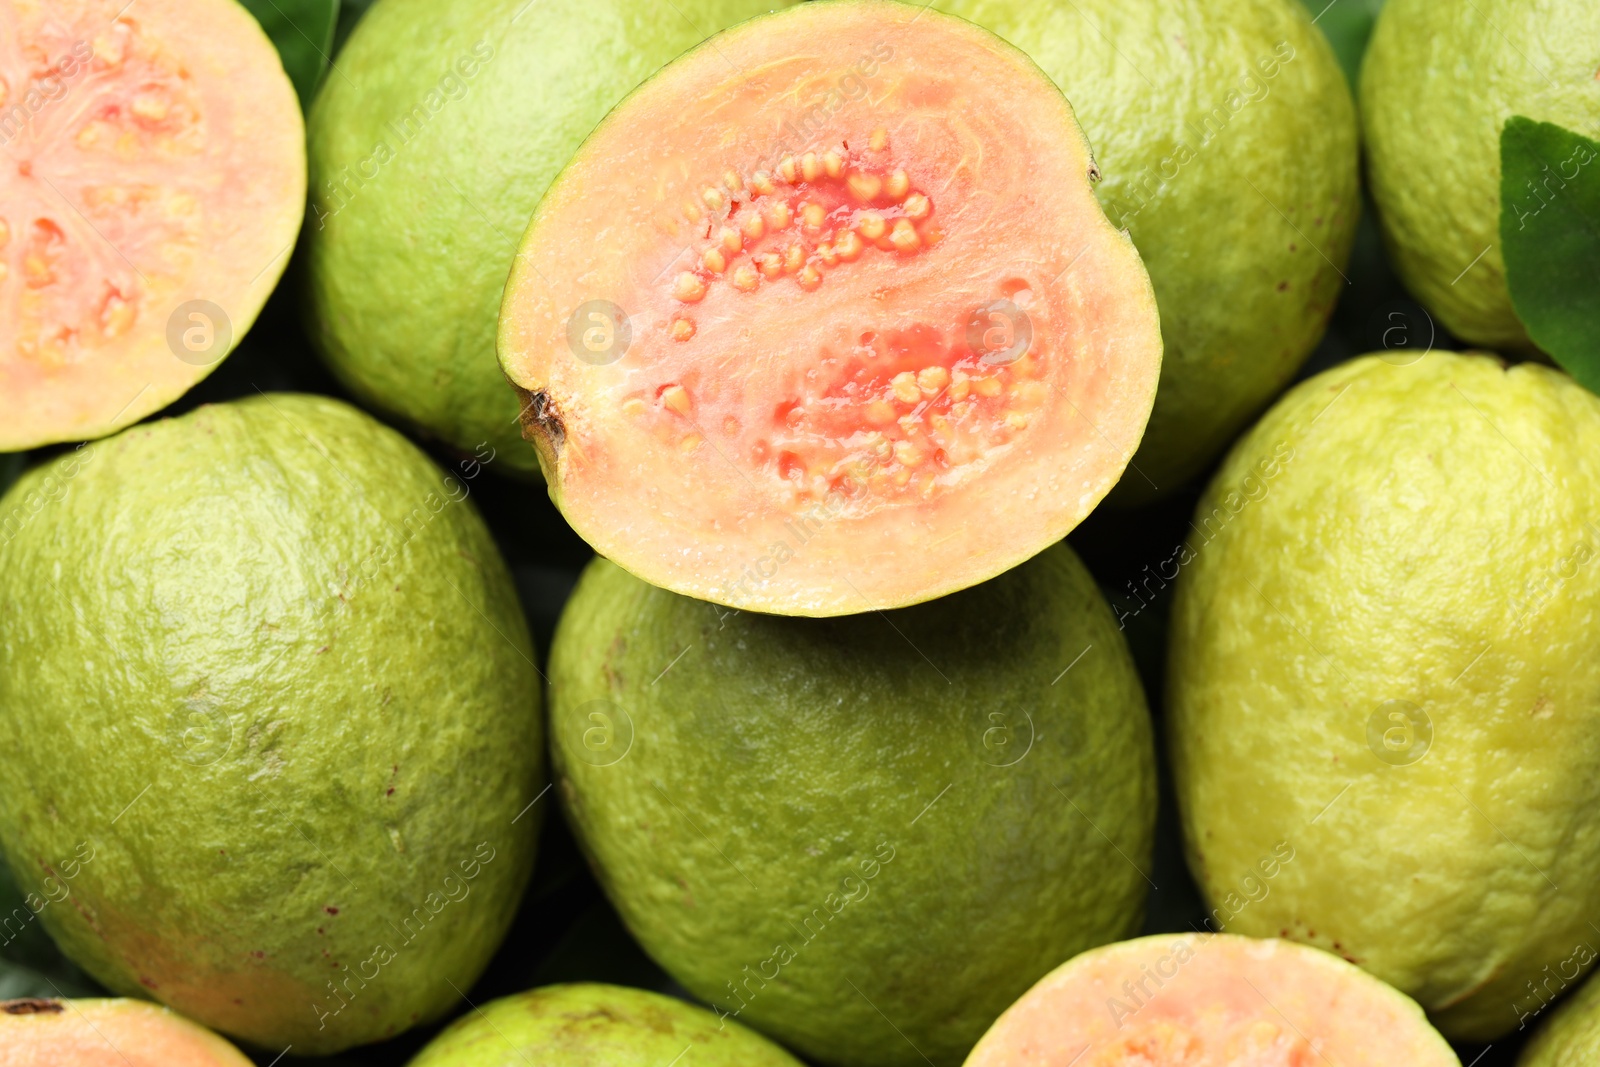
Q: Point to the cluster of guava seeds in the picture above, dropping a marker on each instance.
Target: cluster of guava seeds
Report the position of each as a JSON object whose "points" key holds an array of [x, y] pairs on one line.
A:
{"points": [[812, 212], [898, 421], [894, 415]]}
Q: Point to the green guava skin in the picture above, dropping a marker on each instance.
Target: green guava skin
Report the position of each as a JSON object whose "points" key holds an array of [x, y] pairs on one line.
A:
{"points": [[1244, 225], [1422, 533], [266, 697], [588, 1023], [805, 821], [414, 227], [1440, 79], [1571, 1038]]}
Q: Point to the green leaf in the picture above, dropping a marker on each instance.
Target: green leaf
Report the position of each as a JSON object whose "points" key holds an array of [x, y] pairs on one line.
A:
{"points": [[1550, 237], [302, 30], [1348, 25]]}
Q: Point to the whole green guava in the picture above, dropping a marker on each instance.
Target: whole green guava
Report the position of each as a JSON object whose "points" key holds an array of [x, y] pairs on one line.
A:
{"points": [[431, 142], [863, 836], [1441, 78], [1572, 1036], [270, 721], [1226, 140], [588, 1024], [1384, 683]]}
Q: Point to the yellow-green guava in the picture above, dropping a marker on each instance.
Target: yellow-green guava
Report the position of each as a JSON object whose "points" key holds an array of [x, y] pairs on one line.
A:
{"points": [[1571, 1037], [588, 1024], [1384, 680], [862, 836], [1227, 146], [269, 721], [431, 141], [1440, 79]]}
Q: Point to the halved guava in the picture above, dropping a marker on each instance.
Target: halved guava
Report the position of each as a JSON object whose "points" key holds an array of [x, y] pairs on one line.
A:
{"points": [[98, 1032], [1192, 1000], [825, 317], [152, 182]]}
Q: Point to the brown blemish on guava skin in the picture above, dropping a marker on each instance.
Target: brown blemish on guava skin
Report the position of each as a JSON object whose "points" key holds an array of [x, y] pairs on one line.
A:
{"points": [[88, 916], [541, 422], [31, 1006]]}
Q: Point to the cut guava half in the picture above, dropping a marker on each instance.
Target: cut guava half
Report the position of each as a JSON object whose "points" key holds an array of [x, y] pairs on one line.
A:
{"points": [[103, 1032], [152, 182], [825, 318], [1193, 1000]]}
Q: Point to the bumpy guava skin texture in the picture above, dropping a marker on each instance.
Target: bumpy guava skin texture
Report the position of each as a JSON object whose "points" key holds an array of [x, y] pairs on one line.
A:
{"points": [[270, 717], [1383, 655], [1440, 79], [586, 1024], [1571, 1037], [102, 1032], [862, 836], [1227, 144], [429, 148]]}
